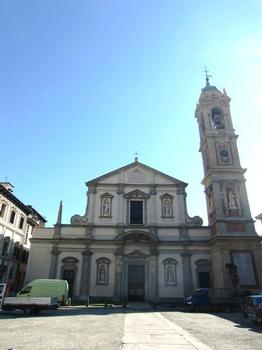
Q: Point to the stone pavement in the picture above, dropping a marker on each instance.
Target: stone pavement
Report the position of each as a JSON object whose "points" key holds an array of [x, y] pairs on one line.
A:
{"points": [[151, 330]]}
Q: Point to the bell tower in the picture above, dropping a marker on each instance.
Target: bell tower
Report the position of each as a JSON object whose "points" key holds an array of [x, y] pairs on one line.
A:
{"points": [[226, 195], [235, 247]]}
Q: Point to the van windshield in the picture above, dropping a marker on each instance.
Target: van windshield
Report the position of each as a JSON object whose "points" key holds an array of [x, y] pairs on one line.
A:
{"points": [[25, 290]]}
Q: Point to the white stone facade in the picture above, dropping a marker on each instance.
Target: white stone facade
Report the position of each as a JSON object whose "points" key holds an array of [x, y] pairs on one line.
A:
{"points": [[136, 240], [16, 224]]}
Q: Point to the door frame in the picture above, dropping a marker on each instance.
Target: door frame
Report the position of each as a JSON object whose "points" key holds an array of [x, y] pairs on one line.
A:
{"points": [[70, 263], [137, 261]]}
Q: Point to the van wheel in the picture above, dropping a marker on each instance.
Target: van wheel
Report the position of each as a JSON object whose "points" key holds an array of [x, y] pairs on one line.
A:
{"points": [[35, 310], [27, 311]]}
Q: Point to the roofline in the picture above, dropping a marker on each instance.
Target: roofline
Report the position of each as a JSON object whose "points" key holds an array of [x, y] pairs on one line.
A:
{"points": [[36, 212], [129, 166], [27, 209], [9, 195]]}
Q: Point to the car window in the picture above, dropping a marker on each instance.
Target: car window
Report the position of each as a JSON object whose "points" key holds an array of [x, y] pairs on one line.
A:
{"points": [[258, 300], [25, 290]]}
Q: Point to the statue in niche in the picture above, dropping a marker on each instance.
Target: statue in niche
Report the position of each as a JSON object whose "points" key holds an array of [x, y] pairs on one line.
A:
{"points": [[232, 200], [167, 207], [106, 207], [170, 277], [102, 273]]}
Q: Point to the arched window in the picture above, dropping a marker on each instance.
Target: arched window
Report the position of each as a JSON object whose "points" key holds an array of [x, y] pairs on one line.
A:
{"points": [[21, 223], [217, 118], [12, 217], [2, 210]]}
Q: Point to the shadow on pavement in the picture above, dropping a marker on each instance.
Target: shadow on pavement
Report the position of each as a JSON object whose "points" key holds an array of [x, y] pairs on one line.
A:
{"points": [[236, 317]]}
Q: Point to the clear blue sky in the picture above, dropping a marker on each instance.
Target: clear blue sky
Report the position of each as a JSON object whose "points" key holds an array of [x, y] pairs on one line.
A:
{"points": [[86, 84]]}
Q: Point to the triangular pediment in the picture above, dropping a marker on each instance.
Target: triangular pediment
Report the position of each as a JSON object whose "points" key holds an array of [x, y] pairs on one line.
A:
{"points": [[137, 194], [136, 254], [136, 173]]}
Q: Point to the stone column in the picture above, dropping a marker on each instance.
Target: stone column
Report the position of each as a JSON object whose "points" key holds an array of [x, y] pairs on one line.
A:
{"points": [[54, 262], [153, 276], [187, 273], [85, 274], [119, 265]]}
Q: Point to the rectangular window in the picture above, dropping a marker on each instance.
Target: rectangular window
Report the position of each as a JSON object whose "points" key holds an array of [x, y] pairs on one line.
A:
{"points": [[136, 212]]}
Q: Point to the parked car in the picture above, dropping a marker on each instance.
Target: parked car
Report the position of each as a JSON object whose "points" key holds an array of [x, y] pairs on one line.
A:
{"points": [[203, 299], [253, 308]]}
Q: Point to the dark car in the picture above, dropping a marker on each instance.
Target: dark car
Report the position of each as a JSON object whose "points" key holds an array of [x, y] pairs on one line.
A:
{"points": [[253, 308]]}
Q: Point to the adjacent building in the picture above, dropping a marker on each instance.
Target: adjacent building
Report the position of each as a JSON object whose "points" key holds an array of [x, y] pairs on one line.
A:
{"points": [[136, 240], [16, 223]]}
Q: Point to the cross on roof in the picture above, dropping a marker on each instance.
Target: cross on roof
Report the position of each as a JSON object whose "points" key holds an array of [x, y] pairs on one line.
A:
{"points": [[207, 76]]}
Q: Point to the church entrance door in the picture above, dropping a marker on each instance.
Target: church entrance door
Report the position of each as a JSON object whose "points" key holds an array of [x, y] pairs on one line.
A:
{"points": [[136, 282], [204, 280], [68, 275]]}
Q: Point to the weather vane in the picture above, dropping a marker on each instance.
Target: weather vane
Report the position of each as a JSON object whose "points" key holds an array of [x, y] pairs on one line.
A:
{"points": [[136, 156], [207, 76]]}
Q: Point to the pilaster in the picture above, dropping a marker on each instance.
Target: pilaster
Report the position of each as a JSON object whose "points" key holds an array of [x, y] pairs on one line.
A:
{"points": [[187, 273], [54, 262], [85, 273]]}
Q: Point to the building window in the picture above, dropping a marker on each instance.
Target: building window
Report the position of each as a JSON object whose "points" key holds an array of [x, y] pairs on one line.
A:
{"points": [[167, 205], [106, 205], [102, 270], [136, 212], [5, 246], [12, 217], [16, 251], [2, 210], [21, 223], [136, 206], [203, 273], [170, 272]]}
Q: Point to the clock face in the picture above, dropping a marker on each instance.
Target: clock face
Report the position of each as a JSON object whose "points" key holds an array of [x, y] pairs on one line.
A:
{"points": [[224, 153]]}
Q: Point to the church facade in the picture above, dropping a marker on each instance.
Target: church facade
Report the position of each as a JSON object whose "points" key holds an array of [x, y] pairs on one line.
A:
{"points": [[136, 240]]}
